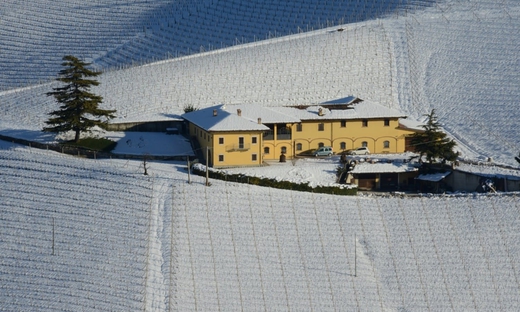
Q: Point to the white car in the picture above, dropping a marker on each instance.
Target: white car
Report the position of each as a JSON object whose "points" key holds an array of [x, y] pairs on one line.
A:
{"points": [[324, 151], [359, 151]]}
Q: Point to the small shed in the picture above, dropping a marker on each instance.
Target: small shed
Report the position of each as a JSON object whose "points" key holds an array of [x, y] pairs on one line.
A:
{"points": [[469, 178], [387, 176], [432, 182]]}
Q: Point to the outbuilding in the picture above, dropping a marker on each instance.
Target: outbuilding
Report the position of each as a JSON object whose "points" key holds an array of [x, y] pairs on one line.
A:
{"points": [[384, 176]]}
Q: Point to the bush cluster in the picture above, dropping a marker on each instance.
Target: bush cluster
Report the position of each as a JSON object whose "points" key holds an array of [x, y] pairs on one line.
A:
{"points": [[269, 182]]}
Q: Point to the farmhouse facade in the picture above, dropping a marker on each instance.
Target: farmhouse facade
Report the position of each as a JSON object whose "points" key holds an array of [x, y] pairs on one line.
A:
{"points": [[247, 135]]}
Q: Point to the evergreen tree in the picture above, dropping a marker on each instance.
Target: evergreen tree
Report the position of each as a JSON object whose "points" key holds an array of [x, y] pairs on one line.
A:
{"points": [[79, 110], [433, 143]]}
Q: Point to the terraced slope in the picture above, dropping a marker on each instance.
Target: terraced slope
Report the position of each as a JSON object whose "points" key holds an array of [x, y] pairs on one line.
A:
{"points": [[461, 60], [74, 234], [91, 235], [35, 35], [242, 246]]}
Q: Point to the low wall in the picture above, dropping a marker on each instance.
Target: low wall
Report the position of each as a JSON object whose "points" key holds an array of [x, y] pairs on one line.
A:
{"points": [[87, 153], [156, 126]]}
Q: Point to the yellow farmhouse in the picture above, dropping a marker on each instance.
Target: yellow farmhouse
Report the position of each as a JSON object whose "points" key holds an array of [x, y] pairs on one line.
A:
{"points": [[247, 135]]}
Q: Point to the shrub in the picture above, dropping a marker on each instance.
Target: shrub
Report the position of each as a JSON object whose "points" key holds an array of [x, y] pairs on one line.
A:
{"points": [[95, 144], [190, 108], [269, 182]]}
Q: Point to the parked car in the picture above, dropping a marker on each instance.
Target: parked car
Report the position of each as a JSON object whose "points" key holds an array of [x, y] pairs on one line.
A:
{"points": [[324, 151], [359, 151]]}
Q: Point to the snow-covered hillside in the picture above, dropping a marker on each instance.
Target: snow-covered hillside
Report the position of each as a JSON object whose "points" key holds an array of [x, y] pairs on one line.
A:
{"points": [[458, 57], [34, 35], [74, 234], [97, 235]]}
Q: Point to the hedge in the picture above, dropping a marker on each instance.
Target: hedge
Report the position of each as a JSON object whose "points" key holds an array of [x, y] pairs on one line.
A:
{"points": [[269, 182]]}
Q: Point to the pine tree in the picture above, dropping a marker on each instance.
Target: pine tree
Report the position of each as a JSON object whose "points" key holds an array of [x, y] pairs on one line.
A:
{"points": [[433, 143], [78, 105]]}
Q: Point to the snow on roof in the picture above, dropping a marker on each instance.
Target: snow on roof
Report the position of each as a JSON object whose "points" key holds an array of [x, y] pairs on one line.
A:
{"points": [[345, 100], [411, 124], [152, 117], [268, 115], [433, 177], [490, 171], [217, 118], [394, 167], [362, 110], [227, 118]]}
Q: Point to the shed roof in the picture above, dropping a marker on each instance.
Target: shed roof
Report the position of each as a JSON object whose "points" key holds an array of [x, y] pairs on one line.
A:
{"points": [[433, 177], [394, 167], [490, 171]]}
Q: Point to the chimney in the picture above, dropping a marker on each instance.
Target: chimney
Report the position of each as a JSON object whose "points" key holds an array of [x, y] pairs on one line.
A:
{"points": [[320, 111], [214, 112], [259, 120], [239, 112]]}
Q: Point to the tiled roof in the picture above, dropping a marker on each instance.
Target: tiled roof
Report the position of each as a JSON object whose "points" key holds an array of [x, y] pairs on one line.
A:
{"points": [[227, 116], [223, 120], [267, 114], [362, 110]]}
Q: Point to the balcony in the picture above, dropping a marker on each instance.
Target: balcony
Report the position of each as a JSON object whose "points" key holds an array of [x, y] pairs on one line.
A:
{"points": [[281, 134], [238, 147]]}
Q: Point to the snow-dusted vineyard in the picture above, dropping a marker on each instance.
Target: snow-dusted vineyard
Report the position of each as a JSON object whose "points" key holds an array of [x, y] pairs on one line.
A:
{"points": [[267, 249], [274, 73], [74, 234], [458, 58], [157, 243], [35, 35], [471, 77]]}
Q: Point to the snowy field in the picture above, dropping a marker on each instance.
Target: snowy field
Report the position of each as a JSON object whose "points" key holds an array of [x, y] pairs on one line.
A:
{"points": [[121, 33], [150, 143], [459, 57], [74, 234], [99, 235]]}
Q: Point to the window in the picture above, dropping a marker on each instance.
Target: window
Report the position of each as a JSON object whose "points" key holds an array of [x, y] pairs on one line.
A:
{"points": [[387, 122], [364, 144], [204, 135], [386, 144], [342, 145], [365, 123], [284, 149], [299, 146], [220, 140], [253, 140], [343, 123], [266, 150], [240, 142], [299, 127], [253, 157], [321, 127], [321, 144], [221, 158]]}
